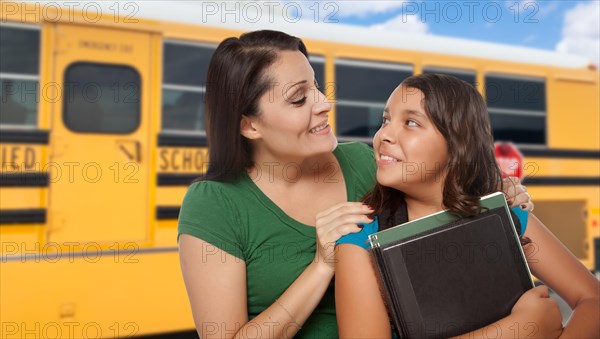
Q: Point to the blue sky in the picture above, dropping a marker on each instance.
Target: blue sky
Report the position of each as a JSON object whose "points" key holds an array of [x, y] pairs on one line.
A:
{"points": [[562, 25]]}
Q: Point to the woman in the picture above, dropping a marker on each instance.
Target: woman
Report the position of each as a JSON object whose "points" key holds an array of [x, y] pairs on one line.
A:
{"points": [[424, 123], [254, 261]]}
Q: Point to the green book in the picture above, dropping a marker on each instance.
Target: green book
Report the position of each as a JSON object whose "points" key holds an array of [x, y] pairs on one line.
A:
{"points": [[444, 275]]}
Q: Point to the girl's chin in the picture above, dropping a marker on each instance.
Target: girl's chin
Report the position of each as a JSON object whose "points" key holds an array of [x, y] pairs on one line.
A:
{"points": [[391, 181]]}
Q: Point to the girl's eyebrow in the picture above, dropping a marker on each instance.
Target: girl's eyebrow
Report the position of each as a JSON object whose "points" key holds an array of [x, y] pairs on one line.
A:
{"points": [[413, 112]]}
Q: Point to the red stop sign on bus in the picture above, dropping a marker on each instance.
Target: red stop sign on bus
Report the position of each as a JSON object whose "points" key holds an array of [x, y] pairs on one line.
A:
{"points": [[509, 159]]}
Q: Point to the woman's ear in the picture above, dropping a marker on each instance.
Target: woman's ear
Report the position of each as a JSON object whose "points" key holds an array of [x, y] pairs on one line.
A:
{"points": [[247, 128]]}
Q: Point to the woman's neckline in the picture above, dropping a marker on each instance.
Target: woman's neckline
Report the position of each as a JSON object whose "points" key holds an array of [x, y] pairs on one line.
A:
{"points": [[341, 162]]}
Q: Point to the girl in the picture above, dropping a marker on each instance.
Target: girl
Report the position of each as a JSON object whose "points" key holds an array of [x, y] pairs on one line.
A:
{"points": [[435, 151]]}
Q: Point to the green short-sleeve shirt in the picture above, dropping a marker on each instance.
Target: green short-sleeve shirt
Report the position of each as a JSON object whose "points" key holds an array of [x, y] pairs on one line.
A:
{"points": [[238, 218]]}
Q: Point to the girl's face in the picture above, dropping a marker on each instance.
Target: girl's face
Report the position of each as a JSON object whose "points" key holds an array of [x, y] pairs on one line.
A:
{"points": [[293, 114], [411, 152]]}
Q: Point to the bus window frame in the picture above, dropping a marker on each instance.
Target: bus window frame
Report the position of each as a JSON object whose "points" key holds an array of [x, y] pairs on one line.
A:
{"points": [[448, 70], [518, 112], [187, 88], [139, 103], [25, 77], [366, 64]]}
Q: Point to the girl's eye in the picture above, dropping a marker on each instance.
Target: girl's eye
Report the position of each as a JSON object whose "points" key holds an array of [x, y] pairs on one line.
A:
{"points": [[385, 121], [299, 102], [411, 123]]}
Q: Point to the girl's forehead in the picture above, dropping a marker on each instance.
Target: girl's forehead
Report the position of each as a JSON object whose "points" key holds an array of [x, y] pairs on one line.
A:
{"points": [[406, 97]]}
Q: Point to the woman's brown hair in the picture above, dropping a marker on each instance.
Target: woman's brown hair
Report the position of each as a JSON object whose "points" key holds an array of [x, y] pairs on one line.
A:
{"points": [[236, 81]]}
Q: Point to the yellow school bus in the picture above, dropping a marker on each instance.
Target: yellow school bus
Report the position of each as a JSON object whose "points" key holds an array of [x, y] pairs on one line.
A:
{"points": [[102, 130]]}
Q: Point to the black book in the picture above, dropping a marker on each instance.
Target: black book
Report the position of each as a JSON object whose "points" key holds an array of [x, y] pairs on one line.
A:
{"points": [[444, 276]]}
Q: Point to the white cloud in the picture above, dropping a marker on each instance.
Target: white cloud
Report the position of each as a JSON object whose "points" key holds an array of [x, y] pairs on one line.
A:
{"points": [[581, 31], [404, 23]]}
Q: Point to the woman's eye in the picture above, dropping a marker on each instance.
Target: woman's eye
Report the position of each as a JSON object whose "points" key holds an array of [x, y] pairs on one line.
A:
{"points": [[411, 123], [299, 102], [385, 121]]}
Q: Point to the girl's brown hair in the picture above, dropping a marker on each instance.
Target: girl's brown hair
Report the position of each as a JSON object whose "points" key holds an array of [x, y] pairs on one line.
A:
{"points": [[458, 111]]}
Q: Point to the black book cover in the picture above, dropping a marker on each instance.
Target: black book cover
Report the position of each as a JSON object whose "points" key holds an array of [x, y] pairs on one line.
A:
{"points": [[445, 276]]}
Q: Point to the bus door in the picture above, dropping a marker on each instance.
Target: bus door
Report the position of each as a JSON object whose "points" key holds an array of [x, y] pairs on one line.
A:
{"points": [[99, 157]]}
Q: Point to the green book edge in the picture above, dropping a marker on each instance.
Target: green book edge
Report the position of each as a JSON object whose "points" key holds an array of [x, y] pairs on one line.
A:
{"points": [[430, 222]]}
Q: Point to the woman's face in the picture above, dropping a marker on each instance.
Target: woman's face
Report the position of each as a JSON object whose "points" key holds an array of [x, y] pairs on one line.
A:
{"points": [[293, 114], [409, 149]]}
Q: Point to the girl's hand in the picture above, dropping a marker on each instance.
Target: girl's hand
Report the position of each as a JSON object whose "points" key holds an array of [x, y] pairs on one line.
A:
{"points": [[541, 311], [335, 222], [516, 194]]}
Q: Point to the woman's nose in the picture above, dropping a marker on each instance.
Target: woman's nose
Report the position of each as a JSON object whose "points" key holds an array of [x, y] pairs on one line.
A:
{"points": [[322, 103]]}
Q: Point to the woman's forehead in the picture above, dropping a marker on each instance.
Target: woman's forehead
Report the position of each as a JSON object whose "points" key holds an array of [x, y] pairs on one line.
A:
{"points": [[291, 67]]}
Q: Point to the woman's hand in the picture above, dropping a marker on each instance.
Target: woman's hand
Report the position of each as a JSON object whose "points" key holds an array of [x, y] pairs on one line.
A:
{"points": [[335, 222], [516, 194], [541, 311]]}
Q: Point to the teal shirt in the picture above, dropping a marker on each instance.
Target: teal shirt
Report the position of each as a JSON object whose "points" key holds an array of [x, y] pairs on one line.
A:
{"points": [[238, 218]]}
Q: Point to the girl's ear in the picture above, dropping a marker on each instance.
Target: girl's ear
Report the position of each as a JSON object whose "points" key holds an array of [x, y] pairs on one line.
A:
{"points": [[248, 128]]}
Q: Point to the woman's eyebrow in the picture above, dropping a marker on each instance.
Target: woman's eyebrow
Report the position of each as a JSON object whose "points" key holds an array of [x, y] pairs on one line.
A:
{"points": [[294, 85]]}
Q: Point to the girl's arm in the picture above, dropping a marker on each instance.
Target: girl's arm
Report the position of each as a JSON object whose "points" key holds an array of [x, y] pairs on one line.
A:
{"points": [[359, 305], [551, 262]]}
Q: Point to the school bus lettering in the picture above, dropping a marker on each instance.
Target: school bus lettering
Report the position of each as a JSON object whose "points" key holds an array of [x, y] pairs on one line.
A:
{"points": [[18, 157], [103, 46], [182, 160]]}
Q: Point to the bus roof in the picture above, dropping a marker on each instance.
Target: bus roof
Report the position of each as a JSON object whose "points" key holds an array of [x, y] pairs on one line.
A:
{"points": [[203, 13]]}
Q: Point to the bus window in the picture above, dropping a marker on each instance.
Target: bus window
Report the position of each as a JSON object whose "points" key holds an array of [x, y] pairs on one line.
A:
{"points": [[185, 67], [318, 65], [362, 89], [101, 98], [517, 108], [19, 75], [465, 75]]}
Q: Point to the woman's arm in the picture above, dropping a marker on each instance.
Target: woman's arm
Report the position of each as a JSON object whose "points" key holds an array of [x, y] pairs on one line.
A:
{"points": [[216, 286], [216, 282], [551, 262], [359, 305]]}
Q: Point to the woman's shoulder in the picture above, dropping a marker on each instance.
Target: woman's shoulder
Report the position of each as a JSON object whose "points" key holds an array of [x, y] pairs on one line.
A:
{"points": [[358, 160], [207, 195], [210, 188], [354, 148]]}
